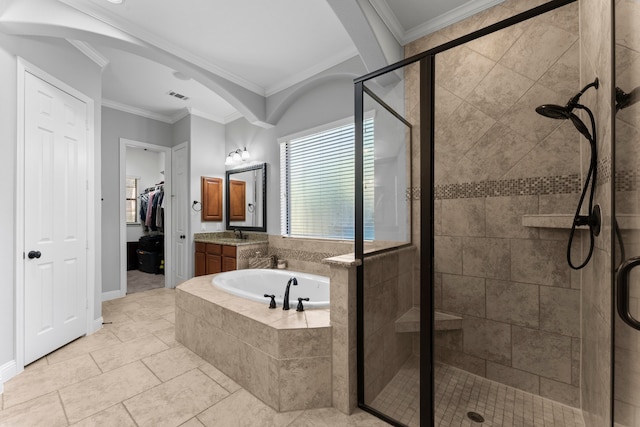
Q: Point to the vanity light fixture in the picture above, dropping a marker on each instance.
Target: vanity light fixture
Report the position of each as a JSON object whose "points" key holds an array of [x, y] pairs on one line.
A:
{"points": [[236, 157]]}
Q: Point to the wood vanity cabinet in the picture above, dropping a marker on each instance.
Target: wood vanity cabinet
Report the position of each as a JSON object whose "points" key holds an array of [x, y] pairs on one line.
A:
{"points": [[211, 189], [214, 258], [200, 259], [228, 258]]}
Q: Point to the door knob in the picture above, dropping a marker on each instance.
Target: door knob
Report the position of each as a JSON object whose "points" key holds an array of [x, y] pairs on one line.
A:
{"points": [[34, 254]]}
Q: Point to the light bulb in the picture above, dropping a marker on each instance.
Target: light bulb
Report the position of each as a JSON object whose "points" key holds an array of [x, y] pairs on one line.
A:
{"points": [[245, 155]]}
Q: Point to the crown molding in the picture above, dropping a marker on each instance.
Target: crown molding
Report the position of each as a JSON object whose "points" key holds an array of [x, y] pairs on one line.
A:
{"points": [[389, 18], [136, 111], [213, 118], [458, 14], [233, 117], [405, 37], [332, 61], [173, 119], [90, 52]]}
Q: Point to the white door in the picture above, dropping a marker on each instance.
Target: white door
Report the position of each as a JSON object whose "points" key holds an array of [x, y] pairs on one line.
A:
{"points": [[55, 209], [180, 206]]}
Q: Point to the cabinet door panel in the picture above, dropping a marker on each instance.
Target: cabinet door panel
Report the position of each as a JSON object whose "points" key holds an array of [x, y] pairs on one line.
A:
{"points": [[228, 264], [211, 198], [214, 264], [201, 264]]}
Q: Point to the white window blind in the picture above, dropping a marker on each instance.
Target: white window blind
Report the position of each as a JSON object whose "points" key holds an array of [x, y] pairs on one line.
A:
{"points": [[317, 181]]}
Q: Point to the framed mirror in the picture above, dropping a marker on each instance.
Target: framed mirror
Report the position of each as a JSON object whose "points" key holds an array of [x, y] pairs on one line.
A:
{"points": [[246, 198]]}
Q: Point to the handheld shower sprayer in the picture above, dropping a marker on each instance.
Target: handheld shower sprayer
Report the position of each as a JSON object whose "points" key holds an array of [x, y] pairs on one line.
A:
{"points": [[592, 219]]}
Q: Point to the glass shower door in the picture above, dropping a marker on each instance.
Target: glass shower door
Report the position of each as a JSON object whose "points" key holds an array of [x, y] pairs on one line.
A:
{"points": [[390, 361], [627, 208]]}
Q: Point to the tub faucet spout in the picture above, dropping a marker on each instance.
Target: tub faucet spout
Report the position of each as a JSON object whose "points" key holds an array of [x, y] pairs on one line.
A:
{"points": [[293, 281]]}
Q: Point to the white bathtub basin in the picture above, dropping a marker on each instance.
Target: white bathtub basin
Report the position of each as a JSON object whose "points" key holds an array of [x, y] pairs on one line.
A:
{"points": [[252, 284]]}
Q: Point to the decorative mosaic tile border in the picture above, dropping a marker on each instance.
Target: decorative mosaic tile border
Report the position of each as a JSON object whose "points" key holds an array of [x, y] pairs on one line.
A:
{"points": [[604, 171], [248, 253], [299, 255], [627, 180], [561, 184]]}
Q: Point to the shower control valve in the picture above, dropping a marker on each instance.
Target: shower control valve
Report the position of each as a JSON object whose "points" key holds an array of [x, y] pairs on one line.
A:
{"points": [[300, 306], [272, 303]]}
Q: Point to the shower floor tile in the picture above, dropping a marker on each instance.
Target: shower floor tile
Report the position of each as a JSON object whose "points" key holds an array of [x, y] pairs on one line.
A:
{"points": [[459, 392]]}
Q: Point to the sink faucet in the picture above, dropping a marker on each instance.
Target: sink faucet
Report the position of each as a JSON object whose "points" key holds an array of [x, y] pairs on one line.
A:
{"points": [[238, 232], [293, 281]]}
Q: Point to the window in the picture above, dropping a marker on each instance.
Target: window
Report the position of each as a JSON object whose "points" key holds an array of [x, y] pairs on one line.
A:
{"points": [[131, 204], [317, 181]]}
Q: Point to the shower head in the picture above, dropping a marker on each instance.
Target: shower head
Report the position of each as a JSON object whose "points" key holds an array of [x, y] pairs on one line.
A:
{"points": [[624, 100], [562, 113], [554, 111]]}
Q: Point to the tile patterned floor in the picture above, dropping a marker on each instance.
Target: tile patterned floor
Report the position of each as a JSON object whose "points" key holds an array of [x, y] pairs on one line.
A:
{"points": [[133, 373], [459, 392], [139, 281]]}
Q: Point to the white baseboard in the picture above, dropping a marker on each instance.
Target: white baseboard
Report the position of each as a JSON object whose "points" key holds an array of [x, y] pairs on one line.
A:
{"points": [[7, 371], [97, 325], [107, 296]]}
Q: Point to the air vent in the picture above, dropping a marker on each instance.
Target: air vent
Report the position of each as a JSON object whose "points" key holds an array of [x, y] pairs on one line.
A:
{"points": [[177, 95]]}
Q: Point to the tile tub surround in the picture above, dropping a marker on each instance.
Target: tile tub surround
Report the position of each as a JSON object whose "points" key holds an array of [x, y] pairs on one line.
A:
{"points": [[281, 357]]}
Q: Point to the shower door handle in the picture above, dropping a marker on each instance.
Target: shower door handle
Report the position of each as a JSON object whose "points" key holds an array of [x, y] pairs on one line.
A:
{"points": [[623, 292]]}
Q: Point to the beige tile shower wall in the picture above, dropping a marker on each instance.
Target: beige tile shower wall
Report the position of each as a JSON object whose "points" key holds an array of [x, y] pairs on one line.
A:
{"points": [[496, 160], [388, 281], [596, 25]]}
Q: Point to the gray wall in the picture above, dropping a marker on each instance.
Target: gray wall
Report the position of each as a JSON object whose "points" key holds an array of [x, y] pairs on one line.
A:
{"points": [[116, 125], [207, 154], [261, 144], [67, 64], [326, 103]]}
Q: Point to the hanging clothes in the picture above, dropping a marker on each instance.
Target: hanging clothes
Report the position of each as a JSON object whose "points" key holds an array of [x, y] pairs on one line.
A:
{"points": [[160, 210]]}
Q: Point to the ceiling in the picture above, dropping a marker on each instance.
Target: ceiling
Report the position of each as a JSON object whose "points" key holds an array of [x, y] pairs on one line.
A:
{"points": [[263, 47]]}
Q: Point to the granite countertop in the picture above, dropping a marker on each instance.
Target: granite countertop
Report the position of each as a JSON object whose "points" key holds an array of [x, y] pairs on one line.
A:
{"points": [[228, 238]]}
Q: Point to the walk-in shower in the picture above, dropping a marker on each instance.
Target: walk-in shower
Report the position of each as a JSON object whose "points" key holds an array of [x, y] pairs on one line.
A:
{"points": [[490, 325], [593, 217]]}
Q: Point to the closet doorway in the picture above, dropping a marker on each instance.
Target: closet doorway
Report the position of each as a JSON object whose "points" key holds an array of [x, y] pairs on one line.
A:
{"points": [[145, 216]]}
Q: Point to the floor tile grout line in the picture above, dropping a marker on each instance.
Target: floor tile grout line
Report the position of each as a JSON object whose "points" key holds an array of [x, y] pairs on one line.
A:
{"points": [[64, 409], [129, 413]]}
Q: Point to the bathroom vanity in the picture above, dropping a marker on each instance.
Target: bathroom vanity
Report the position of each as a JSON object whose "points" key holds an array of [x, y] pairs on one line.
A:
{"points": [[218, 252]]}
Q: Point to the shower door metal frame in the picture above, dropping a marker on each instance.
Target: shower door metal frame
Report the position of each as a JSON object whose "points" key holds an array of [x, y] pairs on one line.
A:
{"points": [[427, 144]]}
